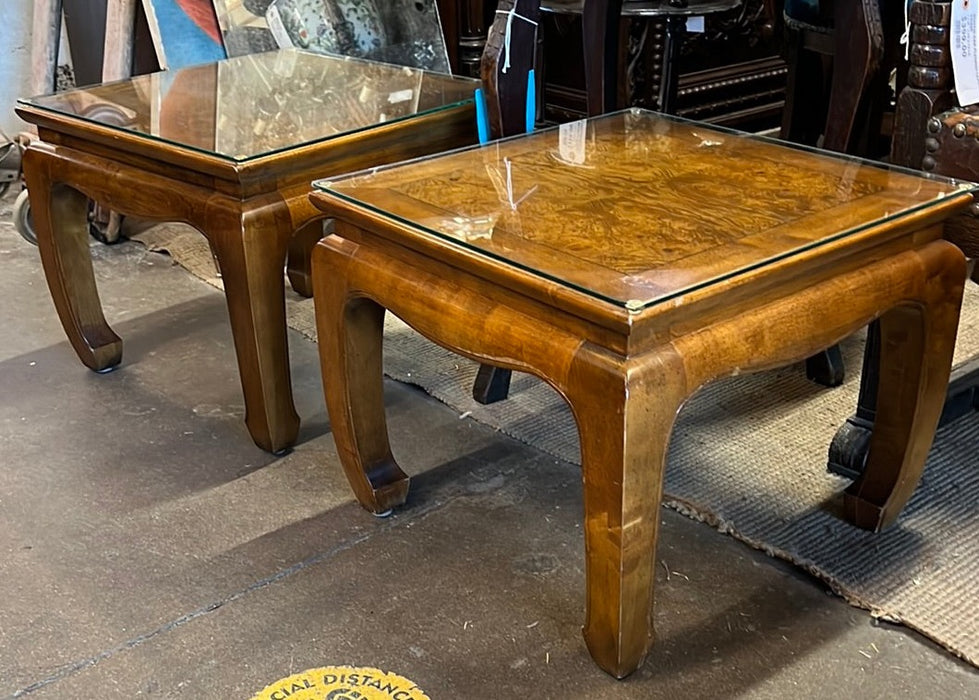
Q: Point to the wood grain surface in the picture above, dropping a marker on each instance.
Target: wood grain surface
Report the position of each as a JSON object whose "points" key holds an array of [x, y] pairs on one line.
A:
{"points": [[655, 206]]}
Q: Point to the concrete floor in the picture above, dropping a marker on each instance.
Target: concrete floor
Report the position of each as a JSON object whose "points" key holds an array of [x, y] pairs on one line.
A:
{"points": [[148, 548]]}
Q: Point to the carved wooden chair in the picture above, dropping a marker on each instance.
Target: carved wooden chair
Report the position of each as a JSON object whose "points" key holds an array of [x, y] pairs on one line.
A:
{"points": [[604, 44], [932, 132], [840, 110]]}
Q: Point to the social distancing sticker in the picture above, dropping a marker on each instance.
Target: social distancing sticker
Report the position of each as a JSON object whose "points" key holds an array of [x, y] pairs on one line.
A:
{"points": [[342, 683]]}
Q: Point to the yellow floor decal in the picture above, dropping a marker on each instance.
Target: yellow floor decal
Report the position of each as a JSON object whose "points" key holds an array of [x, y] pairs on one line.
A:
{"points": [[342, 683]]}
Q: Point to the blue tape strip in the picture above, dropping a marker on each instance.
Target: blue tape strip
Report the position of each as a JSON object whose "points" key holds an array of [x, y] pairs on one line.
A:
{"points": [[482, 118], [531, 101]]}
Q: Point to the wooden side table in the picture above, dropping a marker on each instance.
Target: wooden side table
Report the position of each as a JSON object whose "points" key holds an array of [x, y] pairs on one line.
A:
{"points": [[229, 148], [627, 261]]}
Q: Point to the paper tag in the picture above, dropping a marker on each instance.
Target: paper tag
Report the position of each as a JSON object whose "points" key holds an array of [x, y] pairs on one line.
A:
{"points": [[400, 96], [571, 141], [965, 55], [695, 25]]}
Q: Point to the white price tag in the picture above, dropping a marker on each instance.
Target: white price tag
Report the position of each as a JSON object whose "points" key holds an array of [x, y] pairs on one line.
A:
{"points": [[695, 25], [571, 141], [400, 96], [965, 52]]}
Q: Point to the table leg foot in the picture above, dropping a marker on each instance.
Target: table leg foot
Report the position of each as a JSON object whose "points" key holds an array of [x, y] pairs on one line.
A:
{"points": [[848, 450], [352, 331], [61, 225], [916, 344], [826, 367]]}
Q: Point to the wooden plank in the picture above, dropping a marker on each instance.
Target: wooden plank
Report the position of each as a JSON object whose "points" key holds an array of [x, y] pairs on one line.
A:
{"points": [[46, 33], [120, 22]]}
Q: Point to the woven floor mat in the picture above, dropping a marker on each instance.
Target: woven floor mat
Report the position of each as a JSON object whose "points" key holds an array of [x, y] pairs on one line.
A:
{"points": [[748, 457]]}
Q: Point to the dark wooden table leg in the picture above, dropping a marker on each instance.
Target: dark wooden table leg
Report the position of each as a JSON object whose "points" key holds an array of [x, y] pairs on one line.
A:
{"points": [[826, 367], [848, 450], [472, 35], [669, 83], [250, 247], [916, 345], [492, 384], [61, 225], [859, 52]]}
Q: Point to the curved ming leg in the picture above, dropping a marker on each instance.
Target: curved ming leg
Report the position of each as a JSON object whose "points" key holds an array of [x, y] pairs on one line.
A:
{"points": [[624, 417], [916, 345], [61, 225], [251, 255], [351, 332]]}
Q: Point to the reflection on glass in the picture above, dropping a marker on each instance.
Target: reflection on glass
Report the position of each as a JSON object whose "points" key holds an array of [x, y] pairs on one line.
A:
{"points": [[244, 28], [636, 207], [405, 32], [253, 105]]}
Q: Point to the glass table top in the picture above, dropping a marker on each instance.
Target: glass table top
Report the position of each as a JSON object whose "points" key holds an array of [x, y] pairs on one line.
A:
{"points": [[251, 106], [406, 33], [636, 208]]}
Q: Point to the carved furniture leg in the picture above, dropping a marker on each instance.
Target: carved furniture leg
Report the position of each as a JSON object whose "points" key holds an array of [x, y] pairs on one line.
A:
{"points": [[492, 384], [250, 247], [600, 27], [929, 86], [350, 333], [625, 416], [916, 346], [848, 450], [896, 364], [472, 35], [672, 40], [61, 224]]}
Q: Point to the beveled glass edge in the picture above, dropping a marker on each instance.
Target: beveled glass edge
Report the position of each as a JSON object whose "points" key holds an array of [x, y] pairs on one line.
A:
{"points": [[880, 165], [27, 102], [635, 306], [960, 184]]}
